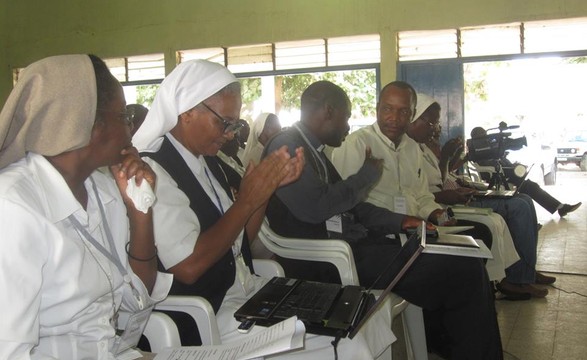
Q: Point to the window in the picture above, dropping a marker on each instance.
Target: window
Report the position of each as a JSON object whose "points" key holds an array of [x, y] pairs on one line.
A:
{"points": [[137, 68], [15, 74], [419, 45], [280, 94], [139, 75], [354, 50], [300, 54], [211, 54], [515, 38], [490, 40], [559, 35], [303, 54], [273, 76], [255, 58]]}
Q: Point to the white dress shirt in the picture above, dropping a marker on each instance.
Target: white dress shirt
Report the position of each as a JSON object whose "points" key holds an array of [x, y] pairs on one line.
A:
{"points": [[58, 291], [402, 176]]}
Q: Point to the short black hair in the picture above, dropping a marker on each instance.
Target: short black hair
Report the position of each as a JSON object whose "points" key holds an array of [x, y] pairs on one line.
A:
{"points": [[323, 92], [402, 85]]}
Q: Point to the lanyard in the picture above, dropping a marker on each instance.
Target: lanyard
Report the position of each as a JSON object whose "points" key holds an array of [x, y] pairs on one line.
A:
{"points": [[112, 256], [215, 193], [236, 251], [315, 154]]}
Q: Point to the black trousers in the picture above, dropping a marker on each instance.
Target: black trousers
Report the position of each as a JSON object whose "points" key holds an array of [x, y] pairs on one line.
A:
{"points": [[534, 191], [455, 288]]}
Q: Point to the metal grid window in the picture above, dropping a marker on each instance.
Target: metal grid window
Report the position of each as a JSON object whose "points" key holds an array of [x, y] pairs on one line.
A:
{"points": [[137, 68], [502, 39], [303, 54]]}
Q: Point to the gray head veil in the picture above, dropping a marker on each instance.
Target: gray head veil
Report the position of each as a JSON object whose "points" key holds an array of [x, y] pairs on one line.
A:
{"points": [[51, 109]]}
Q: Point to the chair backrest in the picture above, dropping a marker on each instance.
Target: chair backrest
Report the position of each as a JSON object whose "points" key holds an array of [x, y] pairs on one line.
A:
{"points": [[336, 252]]}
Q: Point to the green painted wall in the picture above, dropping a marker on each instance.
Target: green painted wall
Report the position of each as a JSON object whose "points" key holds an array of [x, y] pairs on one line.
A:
{"points": [[5, 72], [34, 29]]}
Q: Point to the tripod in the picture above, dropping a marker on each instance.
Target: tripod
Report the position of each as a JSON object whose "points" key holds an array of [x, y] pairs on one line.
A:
{"points": [[498, 178]]}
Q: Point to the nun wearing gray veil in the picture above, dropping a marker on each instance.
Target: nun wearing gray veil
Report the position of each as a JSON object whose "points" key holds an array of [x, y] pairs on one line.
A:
{"points": [[203, 217], [61, 293]]}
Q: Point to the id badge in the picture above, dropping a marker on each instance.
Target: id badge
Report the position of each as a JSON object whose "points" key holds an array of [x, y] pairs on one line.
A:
{"points": [[243, 275], [132, 331], [334, 224], [400, 205]]}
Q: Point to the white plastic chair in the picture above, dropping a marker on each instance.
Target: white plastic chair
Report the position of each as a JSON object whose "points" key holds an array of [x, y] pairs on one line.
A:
{"points": [[161, 332], [201, 310], [339, 253]]}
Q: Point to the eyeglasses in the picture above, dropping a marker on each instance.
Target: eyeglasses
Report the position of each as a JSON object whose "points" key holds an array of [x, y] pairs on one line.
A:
{"points": [[228, 126], [128, 116]]}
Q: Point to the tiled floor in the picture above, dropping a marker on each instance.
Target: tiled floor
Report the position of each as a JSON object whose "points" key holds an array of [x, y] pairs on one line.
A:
{"points": [[555, 327]]}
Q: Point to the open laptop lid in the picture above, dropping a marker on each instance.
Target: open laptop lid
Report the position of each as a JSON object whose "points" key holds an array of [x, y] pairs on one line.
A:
{"points": [[398, 266], [507, 193], [524, 179]]}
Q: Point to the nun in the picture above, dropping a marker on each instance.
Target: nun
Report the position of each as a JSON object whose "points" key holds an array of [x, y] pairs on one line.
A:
{"points": [[203, 217], [264, 128], [77, 245]]}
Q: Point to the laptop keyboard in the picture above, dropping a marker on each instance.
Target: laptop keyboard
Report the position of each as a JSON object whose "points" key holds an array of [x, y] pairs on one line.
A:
{"points": [[309, 301]]}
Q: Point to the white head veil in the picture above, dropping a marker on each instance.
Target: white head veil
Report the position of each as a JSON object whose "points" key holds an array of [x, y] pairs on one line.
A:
{"points": [[424, 102], [186, 86], [51, 109], [254, 148]]}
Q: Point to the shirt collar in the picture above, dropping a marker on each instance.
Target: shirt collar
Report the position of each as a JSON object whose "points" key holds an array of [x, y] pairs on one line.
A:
{"points": [[386, 140], [195, 163], [311, 137], [60, 200]]}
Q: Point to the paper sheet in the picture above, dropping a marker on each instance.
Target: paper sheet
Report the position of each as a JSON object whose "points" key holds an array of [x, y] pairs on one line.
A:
{"points": [[286, 335]]}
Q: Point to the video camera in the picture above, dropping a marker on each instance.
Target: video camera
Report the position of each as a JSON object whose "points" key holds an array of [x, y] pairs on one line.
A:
{"points": [[493, 146]]}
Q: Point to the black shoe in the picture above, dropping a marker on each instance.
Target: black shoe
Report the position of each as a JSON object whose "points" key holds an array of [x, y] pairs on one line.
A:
{"points": [[566, 208]]}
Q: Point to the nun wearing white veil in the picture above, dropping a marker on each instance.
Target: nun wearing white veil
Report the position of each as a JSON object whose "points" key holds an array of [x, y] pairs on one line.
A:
{"points": [[264, 127]]}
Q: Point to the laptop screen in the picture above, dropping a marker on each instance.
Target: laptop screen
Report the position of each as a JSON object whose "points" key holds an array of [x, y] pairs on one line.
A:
{"points": [[398, 266]]}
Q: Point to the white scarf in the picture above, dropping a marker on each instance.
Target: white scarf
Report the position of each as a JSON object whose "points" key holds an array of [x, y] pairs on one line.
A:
{"points": [[189, 84], [254, 148], [423, 103]]}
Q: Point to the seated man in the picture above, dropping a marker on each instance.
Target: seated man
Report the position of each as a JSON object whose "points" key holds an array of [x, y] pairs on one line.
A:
{"points": [[517, 212], [201, 228], [529, 187], [457, 287]]}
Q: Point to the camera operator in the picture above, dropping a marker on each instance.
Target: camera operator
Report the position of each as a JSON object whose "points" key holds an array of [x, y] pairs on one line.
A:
{"points": [[528, 187]]}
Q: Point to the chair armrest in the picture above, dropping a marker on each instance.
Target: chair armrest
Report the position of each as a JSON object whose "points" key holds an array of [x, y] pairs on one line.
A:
{"points": [[200, 310], [336, 252], [267, 268], [161, 332]]}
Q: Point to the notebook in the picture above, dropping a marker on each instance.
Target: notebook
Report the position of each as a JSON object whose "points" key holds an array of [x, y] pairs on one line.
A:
{"points": [[502, 193], [455, 240], [327, 309]]}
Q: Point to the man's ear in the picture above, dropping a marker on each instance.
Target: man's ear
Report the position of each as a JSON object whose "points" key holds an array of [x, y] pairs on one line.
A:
{"points": [[328, 111]]}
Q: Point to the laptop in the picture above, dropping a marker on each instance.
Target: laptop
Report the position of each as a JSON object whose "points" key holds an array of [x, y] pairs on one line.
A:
{"points": [[504, 194], [325, 308]]}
